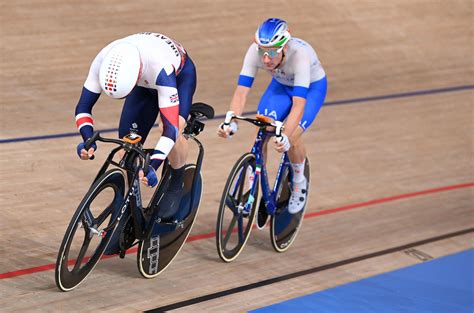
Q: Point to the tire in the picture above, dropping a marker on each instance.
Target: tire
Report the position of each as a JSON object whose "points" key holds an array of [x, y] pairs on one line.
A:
{"points": [[156, 253], [284, 226], [230, 240], [81, 249]]}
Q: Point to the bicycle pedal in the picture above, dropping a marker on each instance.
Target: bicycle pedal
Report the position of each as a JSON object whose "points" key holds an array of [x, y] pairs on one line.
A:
{"points": [[122, 254]]}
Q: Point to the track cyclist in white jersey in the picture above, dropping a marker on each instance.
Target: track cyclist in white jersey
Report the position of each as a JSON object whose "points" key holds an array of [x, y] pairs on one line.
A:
{"points": [[154, 75], [295, 94]]}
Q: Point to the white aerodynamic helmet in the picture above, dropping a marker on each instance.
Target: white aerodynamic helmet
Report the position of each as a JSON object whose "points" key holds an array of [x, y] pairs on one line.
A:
{"points": [[120, 70]]}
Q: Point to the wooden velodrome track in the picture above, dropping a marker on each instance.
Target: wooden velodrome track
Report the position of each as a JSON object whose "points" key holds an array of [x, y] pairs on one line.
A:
{"points": [[392, 166]]}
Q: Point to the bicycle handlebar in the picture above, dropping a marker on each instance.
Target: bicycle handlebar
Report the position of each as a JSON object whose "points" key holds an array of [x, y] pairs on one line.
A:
{"points": [[146, 156], [92, 140], [256, 121]]}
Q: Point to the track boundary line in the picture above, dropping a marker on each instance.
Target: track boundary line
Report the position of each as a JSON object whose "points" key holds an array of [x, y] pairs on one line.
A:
{"points": [[48, 267], [309, 271], [424, 92]]}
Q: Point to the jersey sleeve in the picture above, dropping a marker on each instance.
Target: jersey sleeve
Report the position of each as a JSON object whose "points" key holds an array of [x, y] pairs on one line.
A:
{"points": [[89, 96], [250, 67], [168, 101], [302, 74], [84, 120], [92, 81]]}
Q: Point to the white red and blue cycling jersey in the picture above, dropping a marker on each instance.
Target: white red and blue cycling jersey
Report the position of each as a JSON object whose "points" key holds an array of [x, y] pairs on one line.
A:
{"points": [[166, 86]]}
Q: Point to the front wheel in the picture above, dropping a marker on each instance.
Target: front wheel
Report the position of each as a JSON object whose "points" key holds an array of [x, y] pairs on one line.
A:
{"points": [[90, 230], [237, 209], [285, 226]]}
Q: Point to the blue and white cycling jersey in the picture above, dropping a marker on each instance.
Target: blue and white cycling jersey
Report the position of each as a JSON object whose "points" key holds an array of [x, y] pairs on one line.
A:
{"points": [[300, 68], [300, 74]]}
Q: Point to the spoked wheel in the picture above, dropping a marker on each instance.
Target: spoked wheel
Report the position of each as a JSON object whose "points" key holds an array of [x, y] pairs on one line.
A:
{"points": [[233, 224], [285, 226], [157, 252], [88, 233]]}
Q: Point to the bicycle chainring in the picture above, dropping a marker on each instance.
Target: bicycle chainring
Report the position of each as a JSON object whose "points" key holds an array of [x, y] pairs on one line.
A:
{"points": [[127, 236]]}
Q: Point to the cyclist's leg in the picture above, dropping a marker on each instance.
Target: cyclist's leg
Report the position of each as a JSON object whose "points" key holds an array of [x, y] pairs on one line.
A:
{"points": [[140, 111], [297, 153], [314, 101], [186, 82], [274, 103]]}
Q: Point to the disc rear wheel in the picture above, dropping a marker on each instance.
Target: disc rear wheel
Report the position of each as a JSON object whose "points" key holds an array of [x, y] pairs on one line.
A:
{"points": [[284, 226], [158, 251]]}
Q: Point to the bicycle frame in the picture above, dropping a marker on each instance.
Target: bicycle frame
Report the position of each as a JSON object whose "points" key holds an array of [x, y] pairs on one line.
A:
{"points": [[132, 199], [241, 191], [132, 196], [268, 194]]}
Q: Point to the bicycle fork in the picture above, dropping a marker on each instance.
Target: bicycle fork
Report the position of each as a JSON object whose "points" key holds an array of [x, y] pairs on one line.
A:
{"points": [[91, 226], [90, 221]]}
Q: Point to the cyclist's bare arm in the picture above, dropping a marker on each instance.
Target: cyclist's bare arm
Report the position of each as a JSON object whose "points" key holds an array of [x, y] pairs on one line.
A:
{"points": [[237, 106], [239, 99]]}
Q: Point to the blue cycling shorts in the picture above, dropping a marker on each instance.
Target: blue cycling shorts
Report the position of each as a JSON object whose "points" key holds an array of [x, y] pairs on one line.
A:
{"points": [[277, 101], [141, 109]]}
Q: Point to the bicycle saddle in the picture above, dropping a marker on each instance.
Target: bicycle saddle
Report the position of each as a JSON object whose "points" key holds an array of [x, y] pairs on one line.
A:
{"points": [[200, 109]]}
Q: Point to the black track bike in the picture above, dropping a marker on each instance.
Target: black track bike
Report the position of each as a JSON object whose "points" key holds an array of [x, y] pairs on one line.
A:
{"points": [[111, 218]]}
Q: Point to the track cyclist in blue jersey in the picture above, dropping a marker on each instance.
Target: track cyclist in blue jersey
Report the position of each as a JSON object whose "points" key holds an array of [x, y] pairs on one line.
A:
{"points": [[154, 74], [295, 94]]}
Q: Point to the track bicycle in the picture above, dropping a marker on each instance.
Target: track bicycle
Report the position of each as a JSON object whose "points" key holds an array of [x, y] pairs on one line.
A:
{"points": [[111, 217], [240, 205]]}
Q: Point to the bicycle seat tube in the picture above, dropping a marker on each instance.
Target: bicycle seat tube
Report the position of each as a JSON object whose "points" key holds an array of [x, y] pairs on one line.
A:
{"points": [[268, 194], [260, 170], [134, 195]]}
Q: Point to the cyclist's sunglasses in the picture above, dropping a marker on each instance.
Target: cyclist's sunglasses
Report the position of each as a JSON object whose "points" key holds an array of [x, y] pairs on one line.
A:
{"points": [[271, 52]]}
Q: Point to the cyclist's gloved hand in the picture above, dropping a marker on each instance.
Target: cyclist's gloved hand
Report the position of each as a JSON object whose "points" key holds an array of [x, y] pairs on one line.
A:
{"points": [[86, 155], [150, 179], [282, 143], [227, 131]]}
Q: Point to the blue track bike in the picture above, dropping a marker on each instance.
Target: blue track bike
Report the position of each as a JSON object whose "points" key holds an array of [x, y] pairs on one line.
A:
{"points": [[111, 217], [240, 205]]}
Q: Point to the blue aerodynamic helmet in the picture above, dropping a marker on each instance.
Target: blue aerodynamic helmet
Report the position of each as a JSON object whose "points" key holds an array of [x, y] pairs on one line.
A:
{"points": [[273, 33]]}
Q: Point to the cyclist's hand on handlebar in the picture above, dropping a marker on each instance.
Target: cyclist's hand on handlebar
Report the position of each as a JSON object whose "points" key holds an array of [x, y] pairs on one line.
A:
{"points": [[86, 155], [150, 179], [282, 143], [227, 131]]}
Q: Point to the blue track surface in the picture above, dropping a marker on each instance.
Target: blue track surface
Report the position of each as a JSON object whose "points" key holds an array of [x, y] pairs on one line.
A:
{"points": [[442, 285]]}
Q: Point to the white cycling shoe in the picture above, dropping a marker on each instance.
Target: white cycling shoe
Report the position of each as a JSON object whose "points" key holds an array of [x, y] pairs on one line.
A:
{"points": [[298, 196]]}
